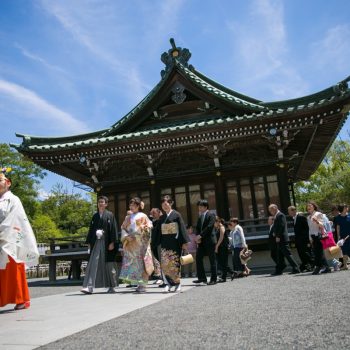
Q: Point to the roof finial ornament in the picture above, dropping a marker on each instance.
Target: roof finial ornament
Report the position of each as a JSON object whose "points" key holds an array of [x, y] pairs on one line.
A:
{"points": [[175, 54]]}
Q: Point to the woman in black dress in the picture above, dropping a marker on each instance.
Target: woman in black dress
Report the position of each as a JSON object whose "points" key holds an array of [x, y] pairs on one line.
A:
{"points": [[221, 248], [172, 236]]}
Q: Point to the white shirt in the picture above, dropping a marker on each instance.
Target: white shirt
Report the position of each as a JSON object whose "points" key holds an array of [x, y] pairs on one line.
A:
{"points": [[314, 228]]}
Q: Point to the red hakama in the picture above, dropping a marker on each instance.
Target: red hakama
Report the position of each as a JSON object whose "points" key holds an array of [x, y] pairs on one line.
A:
{"points": [[13, 284]]}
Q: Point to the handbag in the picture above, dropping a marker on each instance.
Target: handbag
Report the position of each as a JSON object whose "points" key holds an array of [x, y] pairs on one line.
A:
{"points": [[335, 251], [186, 259], [328, 241], [148, 261], [245, 255]]}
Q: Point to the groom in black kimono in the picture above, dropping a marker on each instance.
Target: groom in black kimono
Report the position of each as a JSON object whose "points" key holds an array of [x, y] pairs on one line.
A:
{"points": [[101, 270], [206, 240]]}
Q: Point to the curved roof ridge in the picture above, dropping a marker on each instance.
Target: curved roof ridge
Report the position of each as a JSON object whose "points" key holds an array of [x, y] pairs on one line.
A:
{"points": [[127, 116], [54, 139], [242, 101], [338, 89], [226, 89]]}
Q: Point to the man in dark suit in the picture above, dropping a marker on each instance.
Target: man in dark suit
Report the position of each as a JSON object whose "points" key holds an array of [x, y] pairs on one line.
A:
{"points": [[272, 240], [302, 240], [206, 240], [280, 231]]}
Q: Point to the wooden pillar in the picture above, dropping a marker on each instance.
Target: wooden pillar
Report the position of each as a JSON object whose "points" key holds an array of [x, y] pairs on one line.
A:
{"points": [[76, 264], [52, 269], [154, 195], [283, 188], [220, 196]]}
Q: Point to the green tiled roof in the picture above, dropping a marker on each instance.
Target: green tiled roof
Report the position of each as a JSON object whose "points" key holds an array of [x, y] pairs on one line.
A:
{"points": [[210, 86], [184, 125], [251, 108]]}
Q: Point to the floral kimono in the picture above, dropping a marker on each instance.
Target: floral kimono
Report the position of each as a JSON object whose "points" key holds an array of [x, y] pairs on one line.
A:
{"points": [[171, 234], [137, 257]]}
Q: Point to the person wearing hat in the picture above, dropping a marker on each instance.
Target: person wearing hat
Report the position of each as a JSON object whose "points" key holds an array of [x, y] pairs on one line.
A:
{"points": [[17, 247]]}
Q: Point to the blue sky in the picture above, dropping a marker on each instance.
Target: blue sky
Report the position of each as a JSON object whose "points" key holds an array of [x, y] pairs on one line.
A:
{"points": [[74, 66]]}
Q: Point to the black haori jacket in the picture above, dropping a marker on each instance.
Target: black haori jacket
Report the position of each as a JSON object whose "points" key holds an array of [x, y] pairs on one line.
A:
{"points": [[108, 224]]}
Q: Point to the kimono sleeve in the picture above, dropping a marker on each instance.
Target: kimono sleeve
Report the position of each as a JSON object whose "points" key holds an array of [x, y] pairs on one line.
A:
{"points": [[112, 229], [89, 237], [183, 236], [157, 232], [124, 226]]}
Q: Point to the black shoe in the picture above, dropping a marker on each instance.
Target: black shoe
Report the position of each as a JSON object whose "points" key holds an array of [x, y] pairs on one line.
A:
{"points": [[326, 270], [211, 283], [162, 285], [277, 273], [316, 271], [308, 268], [222, 280], [294, 272], [199, 281]]}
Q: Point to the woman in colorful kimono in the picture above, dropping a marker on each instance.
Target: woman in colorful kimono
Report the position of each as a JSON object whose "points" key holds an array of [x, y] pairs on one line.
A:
{"points": [[137, 263], [173, 239], [17, 246]]}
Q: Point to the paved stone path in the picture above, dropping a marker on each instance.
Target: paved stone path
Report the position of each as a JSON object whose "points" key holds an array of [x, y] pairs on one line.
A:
{"points": [[56, 316], [259, 312]]}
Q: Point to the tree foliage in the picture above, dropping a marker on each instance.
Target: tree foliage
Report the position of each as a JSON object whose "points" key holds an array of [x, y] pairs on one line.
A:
{"points": [[44, 228], [70, 212], [61, 214], [330, 184], [25, 176]]}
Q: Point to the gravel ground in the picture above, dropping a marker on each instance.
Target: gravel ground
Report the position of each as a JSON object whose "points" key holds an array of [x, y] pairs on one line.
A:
{"points": [[259, 312]]}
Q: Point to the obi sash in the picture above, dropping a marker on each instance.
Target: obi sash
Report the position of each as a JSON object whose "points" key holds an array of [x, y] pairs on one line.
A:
{"points": [[170, 229]]}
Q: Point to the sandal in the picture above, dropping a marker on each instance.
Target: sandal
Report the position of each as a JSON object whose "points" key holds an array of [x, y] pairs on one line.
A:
{"points": [[22, 306]]}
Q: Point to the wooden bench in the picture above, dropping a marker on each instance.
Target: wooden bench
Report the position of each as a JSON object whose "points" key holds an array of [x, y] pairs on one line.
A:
{"points": [[67, 249]]}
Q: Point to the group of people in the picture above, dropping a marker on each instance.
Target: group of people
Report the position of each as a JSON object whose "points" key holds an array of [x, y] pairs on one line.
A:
{"points": [[153, 246], [321, 244]]}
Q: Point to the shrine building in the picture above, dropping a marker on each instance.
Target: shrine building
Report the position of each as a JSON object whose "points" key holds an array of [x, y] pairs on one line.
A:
{"points": [[193, 138]]}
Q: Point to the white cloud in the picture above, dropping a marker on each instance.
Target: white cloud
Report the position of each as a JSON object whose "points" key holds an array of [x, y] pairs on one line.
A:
{"points": [[43, 194], [38, 109], [262, 45], [334, 49], [97, 38], [162, 23], [38, 59]]}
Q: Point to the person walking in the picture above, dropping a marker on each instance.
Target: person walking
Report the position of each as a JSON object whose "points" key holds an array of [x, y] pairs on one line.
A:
{"points": [[206, 240], [172, 236], [137, 263], [272, 242], [302, 240], [101, 270], [17, 247], [221, 247], [155, 215], [280, 231], [315, 221], [190, 269], [238, 244], [343, 230]]}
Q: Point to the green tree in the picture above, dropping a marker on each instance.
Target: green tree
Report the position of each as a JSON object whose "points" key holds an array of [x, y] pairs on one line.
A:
{"points": [[44, 228], [25, 176], [70, 212], [330, 184]]}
